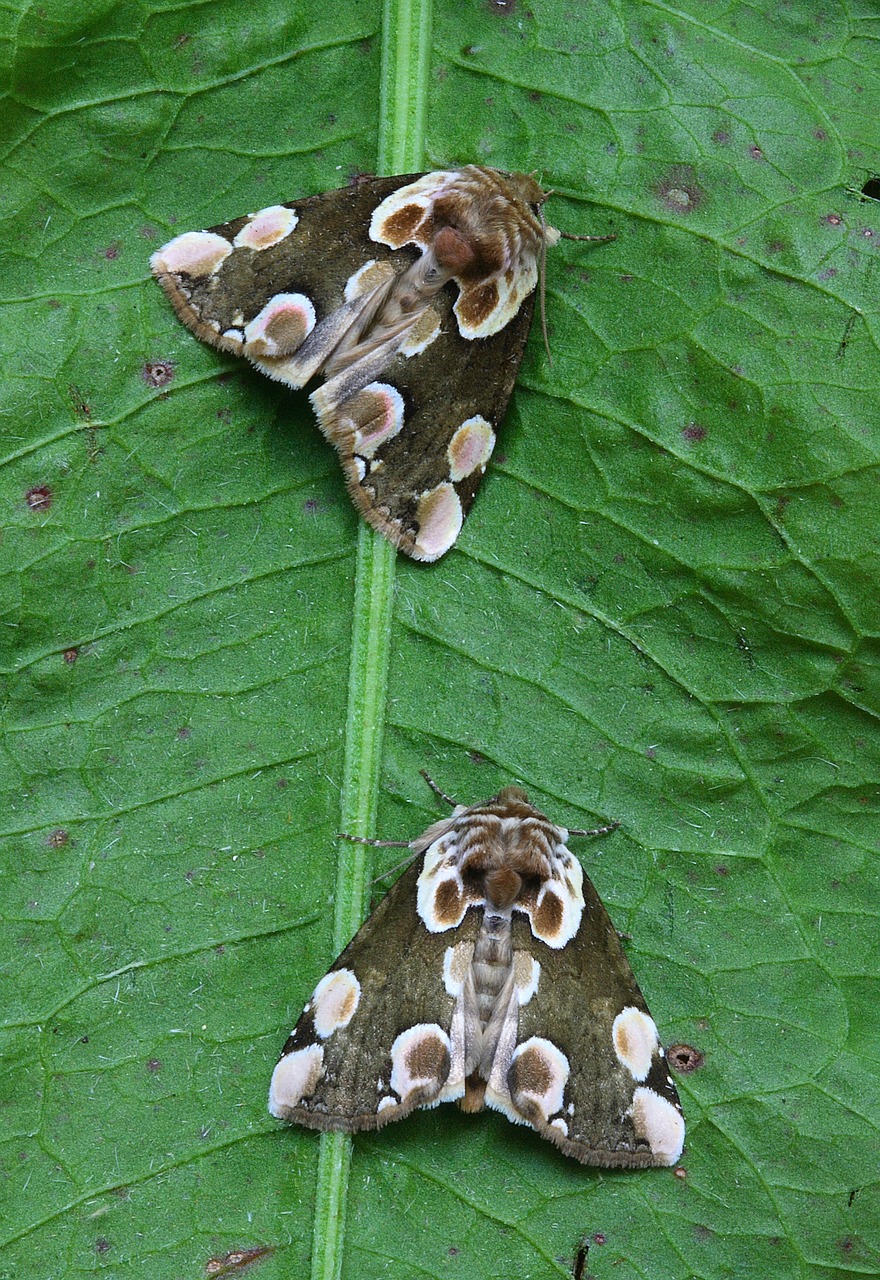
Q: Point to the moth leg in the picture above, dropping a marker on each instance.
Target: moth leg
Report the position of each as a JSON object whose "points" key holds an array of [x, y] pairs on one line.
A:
{"points": [[594, 831], [375, 844]]}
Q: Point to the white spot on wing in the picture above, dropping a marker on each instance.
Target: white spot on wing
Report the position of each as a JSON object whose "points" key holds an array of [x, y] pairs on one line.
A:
{"points": [[456, 962], [526, 972], [635, 1041], [660, 1123], [418, 195], [470, 448], [295, 1077], [336, 997], [266, 228], [437, 872], [420, 1061], [195, 253], [374, 416], [439, 518], [281, 326], [538, 1074], [367, 278]]}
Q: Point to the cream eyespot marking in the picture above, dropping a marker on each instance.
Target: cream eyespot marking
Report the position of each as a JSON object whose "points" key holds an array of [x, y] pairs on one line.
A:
{"points": [[266, 228], [422, 334], [526, 972], [470, 448], [660, 1123], [440, 899], [538, 1075], [295, 1077], [195, 253], [281, 327], [335, 1000], [635, 1041], [367, 278], [456, 962], [420, 1059], [439, 518], [556, 916], [403, 214], [374, 415]]}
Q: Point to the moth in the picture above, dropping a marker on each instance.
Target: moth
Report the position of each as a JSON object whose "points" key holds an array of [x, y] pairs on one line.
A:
{"points": [[490, 975], [411, 297]]}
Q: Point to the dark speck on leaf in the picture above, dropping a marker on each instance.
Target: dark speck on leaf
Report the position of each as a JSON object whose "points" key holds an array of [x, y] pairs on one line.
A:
{"points": [[101, 1245], [694, 433], [157, 373], [58, 838], [685, 1058], [70, 656]]}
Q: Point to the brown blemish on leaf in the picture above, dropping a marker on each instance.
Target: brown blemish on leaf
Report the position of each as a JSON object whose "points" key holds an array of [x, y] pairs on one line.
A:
{"points": [[39, 498], [70, 656], [236, 1260], [685, 1058], [157, 373], [81, 406], [58, 838], [694, 433], [679, 190], [153, 1065]]}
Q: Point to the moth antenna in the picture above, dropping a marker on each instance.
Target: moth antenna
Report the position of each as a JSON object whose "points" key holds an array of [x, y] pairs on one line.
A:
{"points": [[398, 866], [433, 785], [567, 235], [594, 831], [542, 277], [376, 844]]}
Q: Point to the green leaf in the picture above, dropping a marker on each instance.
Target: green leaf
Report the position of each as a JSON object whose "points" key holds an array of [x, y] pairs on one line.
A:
{"points": [[663, 609]]}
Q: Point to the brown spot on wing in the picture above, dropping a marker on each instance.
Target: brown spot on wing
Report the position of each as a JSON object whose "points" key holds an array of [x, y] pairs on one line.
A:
{"points": [[447, 903], [548, 915], [402, 225], [477, 303], [428, 1059]]}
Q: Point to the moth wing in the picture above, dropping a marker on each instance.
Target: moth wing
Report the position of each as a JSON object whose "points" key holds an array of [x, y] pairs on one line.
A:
{"points": [[264, 285], [415, 442], [588, 1071], [376, 1039]]}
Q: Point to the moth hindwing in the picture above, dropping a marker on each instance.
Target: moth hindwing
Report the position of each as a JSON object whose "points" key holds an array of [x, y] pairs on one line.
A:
{"points": [[411, 297], [491, 975]]}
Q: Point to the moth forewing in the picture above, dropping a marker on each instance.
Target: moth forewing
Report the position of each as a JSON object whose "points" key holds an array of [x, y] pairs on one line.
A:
{"points": [[411, 297], [491, 975]]}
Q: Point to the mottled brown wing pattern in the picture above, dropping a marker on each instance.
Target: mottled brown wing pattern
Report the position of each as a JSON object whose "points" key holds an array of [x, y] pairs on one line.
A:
{"points": [[491, 975], [410, 297]]}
